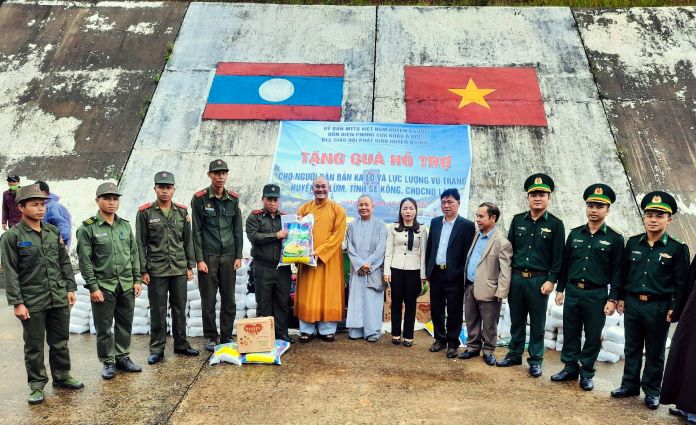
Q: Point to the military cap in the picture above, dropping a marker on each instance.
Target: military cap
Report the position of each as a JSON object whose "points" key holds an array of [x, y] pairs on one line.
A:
{"points": [[13, 178], [271, 191], [599, 193], [107, 188], [659, 201], [538, 183], [164, 177], [218, 165], [29, 192]]}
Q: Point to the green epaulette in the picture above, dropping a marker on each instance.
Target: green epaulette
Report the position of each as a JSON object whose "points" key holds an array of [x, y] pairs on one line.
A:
{"points": [[90, 220]]}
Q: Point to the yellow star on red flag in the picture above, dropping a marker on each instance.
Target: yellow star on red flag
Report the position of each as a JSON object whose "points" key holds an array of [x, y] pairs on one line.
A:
{"points": [[472, 94]]}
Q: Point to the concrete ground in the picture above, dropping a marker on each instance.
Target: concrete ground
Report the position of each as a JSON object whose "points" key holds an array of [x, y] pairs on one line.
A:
{"points": [[343, 382]]}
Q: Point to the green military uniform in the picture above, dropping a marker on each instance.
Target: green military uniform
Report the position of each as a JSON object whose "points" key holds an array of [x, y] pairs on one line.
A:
{"points": [[652, 279], [217, 240], [166, 252], [38, 274], [108, 255], [591, 262], [272, 283], [537, 257]]}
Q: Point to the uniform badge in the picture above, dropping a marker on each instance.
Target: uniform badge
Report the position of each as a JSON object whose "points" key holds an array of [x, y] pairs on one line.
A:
{"points": [[521, 228], [636, 252], [546, 229], [599, 191], [605, 242], [538, 180], [657, 199], [155, 220], [122, 236], [24, 244], [164, 175], [665, 255], [101, 235], [579, 240]]}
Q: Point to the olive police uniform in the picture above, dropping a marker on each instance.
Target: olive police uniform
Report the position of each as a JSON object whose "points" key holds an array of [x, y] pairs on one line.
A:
{"points": [[591, 263], [272, 283], [217, 240], [166, 253], [537, 257], [38, 274], [108, 255], [652, 280]]}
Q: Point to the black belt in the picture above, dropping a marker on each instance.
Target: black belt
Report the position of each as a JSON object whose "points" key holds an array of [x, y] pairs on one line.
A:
{"points": [[587, 285], [529, 273], [651, 297]]}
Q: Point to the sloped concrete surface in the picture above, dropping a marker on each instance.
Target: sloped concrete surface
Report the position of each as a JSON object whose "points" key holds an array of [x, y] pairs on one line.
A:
{"points": [[576, 149], [644, 61], [74, 84], [174, 137]]}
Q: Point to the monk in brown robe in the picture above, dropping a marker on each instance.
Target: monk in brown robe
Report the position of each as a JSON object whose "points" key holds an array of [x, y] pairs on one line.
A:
{"points": [[320, 296], [678, 384]]}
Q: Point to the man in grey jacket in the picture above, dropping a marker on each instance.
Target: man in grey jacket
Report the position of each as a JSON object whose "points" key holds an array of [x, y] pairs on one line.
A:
{"points": [[487, 283]]}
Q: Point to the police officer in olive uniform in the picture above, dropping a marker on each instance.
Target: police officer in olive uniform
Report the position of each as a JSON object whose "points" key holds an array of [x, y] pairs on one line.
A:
{"points": [[163, 232], [40, 285], [537, 238], [272, 283], [655, 268], [109, 263], [591, 262], [217, 245]]}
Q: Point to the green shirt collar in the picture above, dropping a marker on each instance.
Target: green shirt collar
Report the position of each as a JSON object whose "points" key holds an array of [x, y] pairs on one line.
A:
{"points": [[603, 229], [663, 240], [211, 193], [545, 216], [100, 220]]}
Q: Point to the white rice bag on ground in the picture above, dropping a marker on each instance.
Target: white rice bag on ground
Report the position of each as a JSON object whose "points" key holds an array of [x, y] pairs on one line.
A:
{"points": [[80, 310], [193, 295], [549, 324], [559, 338], [194, 331], [550, 344], [555, 323], [613, 347], [250, 301], [251, 313], [142, 302], [550, 335], [559, 346], [195, 304], [78, 329], [605, 356], [141, 321], [192, 285], [614, 334], [557, 311], [194, 322], [141, 312], [140, 330], [79, 321], [196, 312], [240, 314]]}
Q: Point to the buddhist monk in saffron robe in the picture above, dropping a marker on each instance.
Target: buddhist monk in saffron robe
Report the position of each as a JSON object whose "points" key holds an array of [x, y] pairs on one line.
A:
{"points": [[320, 296]]}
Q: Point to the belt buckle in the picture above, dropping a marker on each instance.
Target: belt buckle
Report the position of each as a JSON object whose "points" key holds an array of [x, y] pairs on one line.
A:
{"points": [[643, 297], [442, 266], [526, 274], [581, 285]]}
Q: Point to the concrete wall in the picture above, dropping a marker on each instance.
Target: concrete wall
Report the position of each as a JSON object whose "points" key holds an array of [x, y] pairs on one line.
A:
{"points": [[174, 137], [644, 61], [74, 78], [576, 149]]}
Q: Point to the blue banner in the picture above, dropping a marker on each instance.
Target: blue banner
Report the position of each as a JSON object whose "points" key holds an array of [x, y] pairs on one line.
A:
{"points": [[389, 162]]}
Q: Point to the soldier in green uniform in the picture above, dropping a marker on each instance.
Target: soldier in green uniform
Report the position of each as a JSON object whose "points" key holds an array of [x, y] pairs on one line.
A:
{"points": [[163, 232], [109, 263], [217, 245], [272, 283], [537, 238], [591, 263], [655, 268], [40, 285]]}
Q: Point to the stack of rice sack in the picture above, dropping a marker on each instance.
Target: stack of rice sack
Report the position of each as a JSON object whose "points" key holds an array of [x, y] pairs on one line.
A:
{"points": [[141, 315], [194, 316], [81, 312]]}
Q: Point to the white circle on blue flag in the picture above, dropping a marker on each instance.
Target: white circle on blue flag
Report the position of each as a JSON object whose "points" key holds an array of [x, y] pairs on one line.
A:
{"points": [[276, 90]]}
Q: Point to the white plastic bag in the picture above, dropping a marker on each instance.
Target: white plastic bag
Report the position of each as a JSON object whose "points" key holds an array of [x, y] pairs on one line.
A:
{"points": [[299, 244]]}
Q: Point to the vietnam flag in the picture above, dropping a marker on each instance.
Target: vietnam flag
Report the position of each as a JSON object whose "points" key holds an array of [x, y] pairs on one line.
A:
{"points": [[467, 95], [275, 91]]}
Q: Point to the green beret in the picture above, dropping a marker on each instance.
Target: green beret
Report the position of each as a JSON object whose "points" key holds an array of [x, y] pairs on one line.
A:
{"points": [[599, 193], [659, 201], [539, 183]]}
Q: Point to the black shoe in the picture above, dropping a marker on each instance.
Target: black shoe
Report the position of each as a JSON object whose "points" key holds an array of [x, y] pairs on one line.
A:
{"points": [[451, 353], [210, 344], [507, 361], [489, 359], [438, 346], [288, 338], [190, 351], [127, 365], [155, 358], [564, 376], [226, 340], [586, 384], [535, 370], [622, 392], [652, 402], [677, 412], [108, 371], [469, 354]]}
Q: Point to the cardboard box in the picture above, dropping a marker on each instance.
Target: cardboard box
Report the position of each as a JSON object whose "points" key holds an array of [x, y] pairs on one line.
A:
{"points": [[255, 335]]}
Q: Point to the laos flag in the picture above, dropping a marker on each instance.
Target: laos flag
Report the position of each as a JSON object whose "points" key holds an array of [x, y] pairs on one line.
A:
{"points": [[275, 91]]}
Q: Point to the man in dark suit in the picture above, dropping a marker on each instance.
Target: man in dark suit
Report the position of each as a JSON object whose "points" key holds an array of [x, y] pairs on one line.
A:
{"points": [[448, 244]]}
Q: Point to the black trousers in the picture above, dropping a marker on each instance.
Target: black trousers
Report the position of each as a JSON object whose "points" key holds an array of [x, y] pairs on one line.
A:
{"points": [[405, 288], [447, 306], [221, 275], [273, 295]]}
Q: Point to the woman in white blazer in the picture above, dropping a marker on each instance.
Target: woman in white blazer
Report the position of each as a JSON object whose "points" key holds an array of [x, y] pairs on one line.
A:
{"points": [[404, 269]]}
